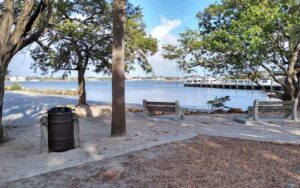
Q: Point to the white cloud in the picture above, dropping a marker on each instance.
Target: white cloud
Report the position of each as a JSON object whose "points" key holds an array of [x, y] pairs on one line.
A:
{"points": [[163, 31]]}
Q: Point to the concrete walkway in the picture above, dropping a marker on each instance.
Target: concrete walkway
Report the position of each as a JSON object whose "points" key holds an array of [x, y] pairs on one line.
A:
{"points": [[21, 156]]}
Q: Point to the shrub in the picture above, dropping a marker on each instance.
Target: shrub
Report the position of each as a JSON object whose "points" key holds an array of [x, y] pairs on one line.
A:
{"points": [[218, 103], [15, 87], [235, 111]]}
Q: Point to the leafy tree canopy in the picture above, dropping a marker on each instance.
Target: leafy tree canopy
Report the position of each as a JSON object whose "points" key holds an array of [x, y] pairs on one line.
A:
{"points": [[245, 37], [81, 37]]}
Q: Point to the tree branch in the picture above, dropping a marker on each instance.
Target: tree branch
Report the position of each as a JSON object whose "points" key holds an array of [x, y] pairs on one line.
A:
{"points": [[6, 22], [35, 15], [23, 21], [276, 95], [272, 75], [254, 79], [45, 18]]}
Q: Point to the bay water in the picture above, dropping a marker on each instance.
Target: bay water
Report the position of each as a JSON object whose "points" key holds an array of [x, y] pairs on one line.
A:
{"points": [[136, 91]]}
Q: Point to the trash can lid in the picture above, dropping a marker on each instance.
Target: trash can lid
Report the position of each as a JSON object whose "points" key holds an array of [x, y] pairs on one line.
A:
{"points": [[56, 110]]}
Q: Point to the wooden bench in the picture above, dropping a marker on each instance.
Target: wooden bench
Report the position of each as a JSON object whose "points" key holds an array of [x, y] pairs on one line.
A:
{"points": [[149, 107], [288, 107]]}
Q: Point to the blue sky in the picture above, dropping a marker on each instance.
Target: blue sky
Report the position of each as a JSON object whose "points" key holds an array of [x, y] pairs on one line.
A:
{"points": [[164, 20], [183, 10]]}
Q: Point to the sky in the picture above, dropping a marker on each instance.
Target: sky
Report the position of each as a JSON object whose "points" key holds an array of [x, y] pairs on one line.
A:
{"points": [[164, 19]]}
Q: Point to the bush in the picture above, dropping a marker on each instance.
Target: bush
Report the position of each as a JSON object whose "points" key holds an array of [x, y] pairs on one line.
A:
{"points": [[218, 103], [235, 111], [14, 87]]}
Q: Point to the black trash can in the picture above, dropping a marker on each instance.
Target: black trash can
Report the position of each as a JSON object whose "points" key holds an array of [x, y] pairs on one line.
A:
{"points": [[60, 129]]}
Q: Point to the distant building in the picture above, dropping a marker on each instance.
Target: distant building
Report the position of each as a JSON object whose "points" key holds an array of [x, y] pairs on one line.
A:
{"points": [[17, 79]]}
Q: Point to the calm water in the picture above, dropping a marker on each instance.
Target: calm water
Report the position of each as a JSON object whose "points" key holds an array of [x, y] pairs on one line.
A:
{"points": [[136, 91]]}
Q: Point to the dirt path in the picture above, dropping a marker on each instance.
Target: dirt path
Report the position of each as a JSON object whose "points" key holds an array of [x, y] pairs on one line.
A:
{"points": [[199, 162]]}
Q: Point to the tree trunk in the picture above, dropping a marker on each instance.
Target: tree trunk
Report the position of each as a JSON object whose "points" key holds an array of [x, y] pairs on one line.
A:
{"points": [[19, 31], [118, 123], [81, 88], [290, 82], [2, 139], [298, 97], [3, 66], [289, 92]]}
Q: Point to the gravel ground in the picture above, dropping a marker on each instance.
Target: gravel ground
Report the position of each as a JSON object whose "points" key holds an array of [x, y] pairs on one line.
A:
{"points": [[202, 161]]}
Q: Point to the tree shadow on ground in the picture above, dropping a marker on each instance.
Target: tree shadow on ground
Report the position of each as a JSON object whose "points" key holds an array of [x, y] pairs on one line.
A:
{"points": [[27, 109]]}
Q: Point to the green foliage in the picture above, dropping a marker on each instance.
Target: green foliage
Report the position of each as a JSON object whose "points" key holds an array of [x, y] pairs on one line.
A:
{"points": [[218, 103], [138, 44], [245, 37], [14, 87], [81, 38]]}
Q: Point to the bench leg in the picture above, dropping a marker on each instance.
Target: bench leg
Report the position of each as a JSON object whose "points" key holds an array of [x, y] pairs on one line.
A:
{"points": [[295, 110], [145, 110], [178, 111], [255, 110], [250, 111]]}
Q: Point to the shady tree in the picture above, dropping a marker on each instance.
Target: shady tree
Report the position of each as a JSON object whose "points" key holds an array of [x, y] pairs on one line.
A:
{"points": [[246, 37], [81, 39], [22, 22]]}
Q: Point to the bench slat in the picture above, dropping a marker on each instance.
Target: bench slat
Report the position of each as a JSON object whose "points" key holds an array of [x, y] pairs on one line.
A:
{"points": [[275, 102], [274, 110], [161, 108], [161, 103], [284, 107]]}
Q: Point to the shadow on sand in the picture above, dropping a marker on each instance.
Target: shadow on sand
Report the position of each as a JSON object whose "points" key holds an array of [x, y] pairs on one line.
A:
{"points": [[29, 108]]}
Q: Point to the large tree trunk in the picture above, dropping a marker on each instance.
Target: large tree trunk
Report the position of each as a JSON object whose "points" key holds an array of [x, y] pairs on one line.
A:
{"points": [[19, 31], [289, 90], [81, 88], [4, 60], [118, 122], [2, 78]]}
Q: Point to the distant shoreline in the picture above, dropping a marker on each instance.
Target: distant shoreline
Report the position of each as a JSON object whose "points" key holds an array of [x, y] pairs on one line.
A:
{"points": [[33, 81], [46, 91]]}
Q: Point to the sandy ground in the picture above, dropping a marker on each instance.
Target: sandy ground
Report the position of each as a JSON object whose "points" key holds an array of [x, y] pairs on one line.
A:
{"points": [[21, 156], [199, 162], [25, 108]]}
